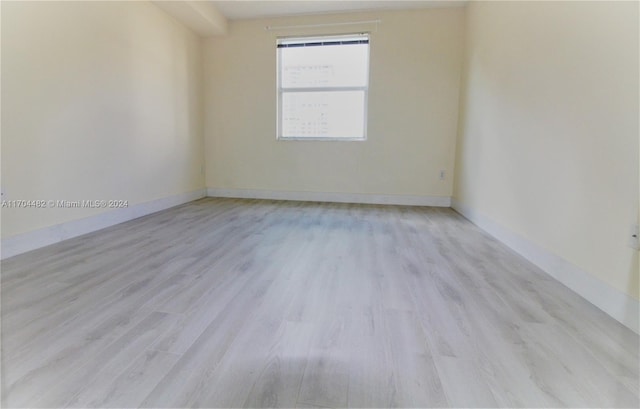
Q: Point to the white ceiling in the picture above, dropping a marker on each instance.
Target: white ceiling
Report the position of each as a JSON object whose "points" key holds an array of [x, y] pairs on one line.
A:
{"points": [[240, 9]]}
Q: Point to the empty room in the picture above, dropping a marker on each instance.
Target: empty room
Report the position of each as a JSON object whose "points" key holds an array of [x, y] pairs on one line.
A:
{"points": [[319, 204]]}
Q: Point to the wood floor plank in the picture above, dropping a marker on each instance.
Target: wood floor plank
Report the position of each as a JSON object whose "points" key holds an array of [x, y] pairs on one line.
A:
{"points": [[417, 382], [104, 367], [280, 374], [372, 373], [131, 387], [597, 386], [188, 382], [261, 303], [464, 384], [326, 377]]}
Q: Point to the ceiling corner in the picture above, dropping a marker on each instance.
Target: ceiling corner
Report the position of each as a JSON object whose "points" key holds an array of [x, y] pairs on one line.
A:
{"points": [[200, 16]]}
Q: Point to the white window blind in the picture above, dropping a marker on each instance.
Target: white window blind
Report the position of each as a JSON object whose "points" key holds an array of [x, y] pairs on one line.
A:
{"points": [[322, 87]]}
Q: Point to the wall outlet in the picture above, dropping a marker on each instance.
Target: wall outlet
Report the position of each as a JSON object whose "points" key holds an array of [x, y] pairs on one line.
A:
{"points": [[442, 175], [634, 243]]}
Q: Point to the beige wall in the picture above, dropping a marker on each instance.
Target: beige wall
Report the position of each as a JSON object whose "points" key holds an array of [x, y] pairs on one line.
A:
{"points": [[101, 100], [414, 86], [548, 141]]}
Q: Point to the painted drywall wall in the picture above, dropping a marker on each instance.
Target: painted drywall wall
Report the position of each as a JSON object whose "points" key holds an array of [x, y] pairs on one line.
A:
{"points": [[415, 65], [548, 140], [101, 100]]}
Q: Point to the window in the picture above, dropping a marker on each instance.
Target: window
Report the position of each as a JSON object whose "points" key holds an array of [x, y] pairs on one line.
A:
{"points": [[322, 87]]}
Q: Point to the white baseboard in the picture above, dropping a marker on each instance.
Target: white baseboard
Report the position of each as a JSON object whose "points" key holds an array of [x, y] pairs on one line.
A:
{"points": [[32, 240], [616, 303], [406, 200]]}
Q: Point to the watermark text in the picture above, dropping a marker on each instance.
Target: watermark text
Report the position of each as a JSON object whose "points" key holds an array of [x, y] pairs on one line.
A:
{"points": [[65, 204]]}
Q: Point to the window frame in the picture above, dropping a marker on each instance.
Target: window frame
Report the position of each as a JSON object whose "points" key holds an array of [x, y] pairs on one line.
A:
{"points": [[280, 91]]}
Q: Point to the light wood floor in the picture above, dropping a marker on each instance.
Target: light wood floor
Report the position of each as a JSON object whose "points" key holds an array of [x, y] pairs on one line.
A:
{"points": [[229, 303]]}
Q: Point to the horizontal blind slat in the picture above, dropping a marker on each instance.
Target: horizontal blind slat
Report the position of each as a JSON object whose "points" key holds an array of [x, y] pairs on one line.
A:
{"points": [[323, 43]]}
